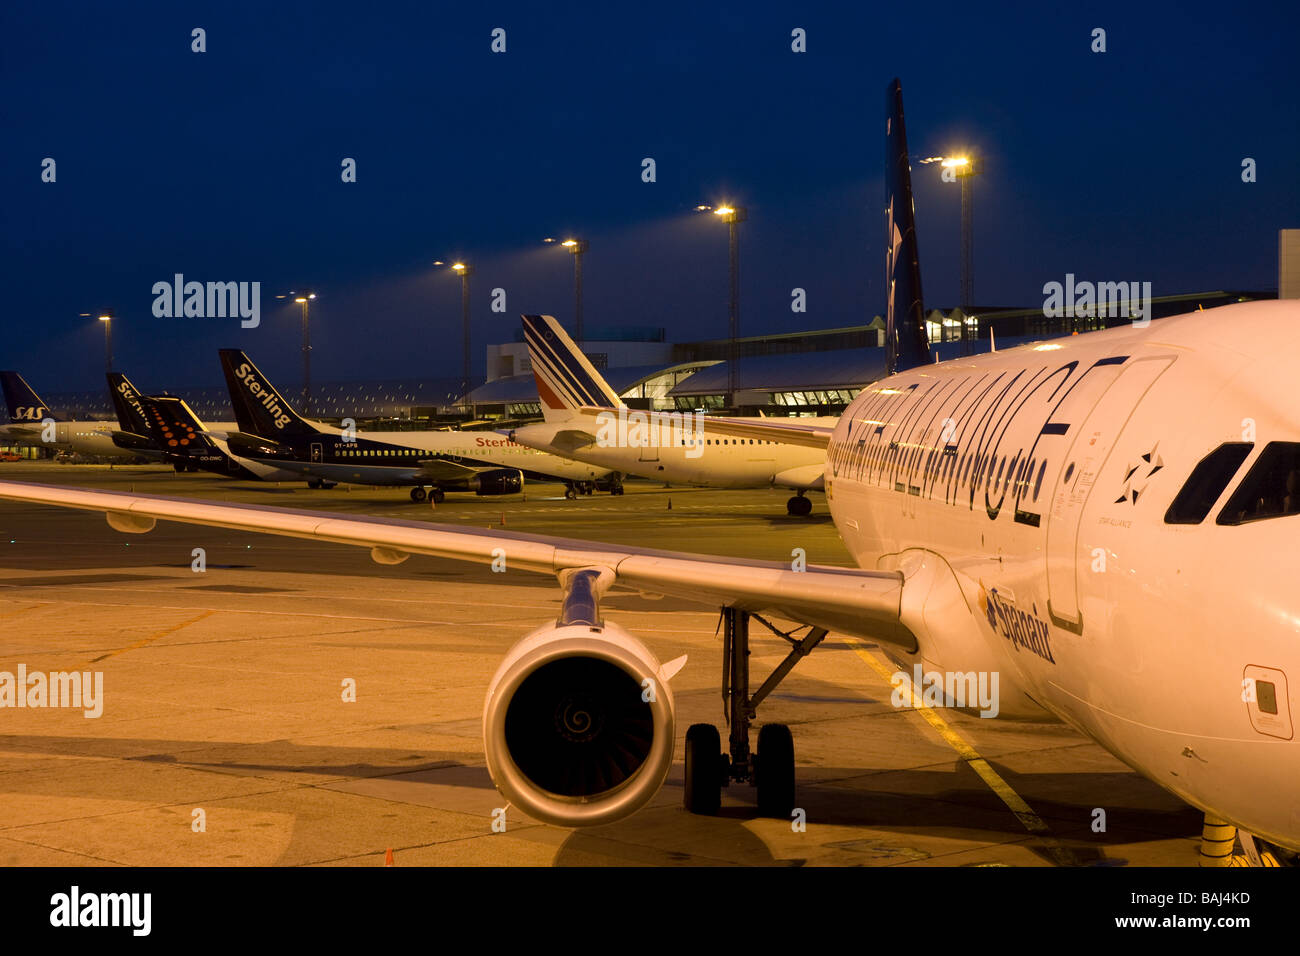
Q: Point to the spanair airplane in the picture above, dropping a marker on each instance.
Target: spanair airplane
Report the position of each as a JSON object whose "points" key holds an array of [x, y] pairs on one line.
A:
{"points": [[32, 423], [1107, 522], [584, 419], [483, 462]]}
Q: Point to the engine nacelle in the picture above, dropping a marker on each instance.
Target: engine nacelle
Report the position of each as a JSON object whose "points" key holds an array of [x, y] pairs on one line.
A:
{"points": [[498, 481], [578, 725]]}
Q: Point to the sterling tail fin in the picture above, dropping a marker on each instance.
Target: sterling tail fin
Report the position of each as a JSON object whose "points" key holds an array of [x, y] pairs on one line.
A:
{"points": [[259, 408], [566, 379], [23, 403], [906, 343], [126, 402]]}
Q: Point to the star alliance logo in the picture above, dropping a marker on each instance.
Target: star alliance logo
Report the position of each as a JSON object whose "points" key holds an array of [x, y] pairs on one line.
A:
{"points": [[1151, 462]]}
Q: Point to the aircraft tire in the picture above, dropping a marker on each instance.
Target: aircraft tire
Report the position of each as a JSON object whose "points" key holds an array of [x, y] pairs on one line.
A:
{"points": [[774, 771], [703, 791]]}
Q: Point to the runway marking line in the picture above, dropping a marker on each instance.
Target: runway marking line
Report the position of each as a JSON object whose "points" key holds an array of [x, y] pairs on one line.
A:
{"points": [[1032, 822], [152, 637]]}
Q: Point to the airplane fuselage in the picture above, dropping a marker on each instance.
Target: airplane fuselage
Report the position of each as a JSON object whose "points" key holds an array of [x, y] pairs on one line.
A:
{"points": [[1028, 492], [695, 455]]}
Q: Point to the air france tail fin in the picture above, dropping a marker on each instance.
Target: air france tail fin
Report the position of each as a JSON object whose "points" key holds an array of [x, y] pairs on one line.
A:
{"points": [[24, 405], [566, 379], [126, 401], [259, 408], [173, 425], [906, 343]]}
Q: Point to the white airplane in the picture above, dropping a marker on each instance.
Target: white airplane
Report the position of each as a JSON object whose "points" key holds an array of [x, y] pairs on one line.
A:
{"points": [[584, 419], [32, 423], [1107, 522]]}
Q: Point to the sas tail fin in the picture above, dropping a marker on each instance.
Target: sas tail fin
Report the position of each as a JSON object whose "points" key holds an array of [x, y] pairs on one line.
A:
{"points": [[259, 408], [906, 343], [566, 379], [23, 403]]}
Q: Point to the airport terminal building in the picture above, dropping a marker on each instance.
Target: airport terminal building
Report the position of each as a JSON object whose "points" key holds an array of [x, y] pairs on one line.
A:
{"points": [[815, 372]]}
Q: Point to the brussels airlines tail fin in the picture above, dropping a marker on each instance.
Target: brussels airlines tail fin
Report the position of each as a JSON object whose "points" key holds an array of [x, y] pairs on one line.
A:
{"points": [[259, 408], [24, 404], [566, 379], [173, 425], [126, 402], [906, 343]]}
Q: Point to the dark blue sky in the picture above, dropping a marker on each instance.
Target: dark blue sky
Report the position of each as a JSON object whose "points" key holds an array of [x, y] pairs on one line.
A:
{"points": [[225, 165]]}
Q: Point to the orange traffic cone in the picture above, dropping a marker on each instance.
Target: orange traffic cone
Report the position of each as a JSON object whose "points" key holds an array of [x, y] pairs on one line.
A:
{"points": [[670, 504], [388, 857], [503, 519]]}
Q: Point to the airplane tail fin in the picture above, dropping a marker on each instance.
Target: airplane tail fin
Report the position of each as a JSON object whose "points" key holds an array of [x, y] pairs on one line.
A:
{"points": [[566, 379], [126, 402], [906, 343], [173, 425], [259, 408], [23, 403]]}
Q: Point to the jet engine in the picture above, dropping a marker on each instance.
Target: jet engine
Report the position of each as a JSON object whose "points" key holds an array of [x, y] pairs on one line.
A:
{"points": [[578, 724], [498, 481]]}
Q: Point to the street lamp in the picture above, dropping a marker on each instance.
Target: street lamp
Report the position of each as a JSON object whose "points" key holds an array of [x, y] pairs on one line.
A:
{"points": [[464, 271], [966, 168], [106, 317], [304, 298], [577, 247], [733, 216]]}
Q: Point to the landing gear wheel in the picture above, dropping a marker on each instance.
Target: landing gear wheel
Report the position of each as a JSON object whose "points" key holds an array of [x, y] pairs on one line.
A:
{"points": [[774, 771], [799, 506], [616, 489], [703, 770], [418, 493], [570, 493], [313, 482], [437, 495]]}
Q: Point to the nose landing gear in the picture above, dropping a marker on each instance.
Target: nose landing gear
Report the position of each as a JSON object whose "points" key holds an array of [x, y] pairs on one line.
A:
{"points": [[799, 506]]}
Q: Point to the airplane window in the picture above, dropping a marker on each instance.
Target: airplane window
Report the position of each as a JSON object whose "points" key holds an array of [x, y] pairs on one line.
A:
{"points": [[1206, 482], [1270, 489]]}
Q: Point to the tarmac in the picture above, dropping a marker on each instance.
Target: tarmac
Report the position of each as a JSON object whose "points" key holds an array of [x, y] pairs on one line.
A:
{"points": [[225, 737]]}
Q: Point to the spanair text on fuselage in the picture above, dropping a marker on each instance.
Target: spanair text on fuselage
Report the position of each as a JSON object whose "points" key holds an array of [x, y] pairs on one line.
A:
{"points": [[1026, 491]]}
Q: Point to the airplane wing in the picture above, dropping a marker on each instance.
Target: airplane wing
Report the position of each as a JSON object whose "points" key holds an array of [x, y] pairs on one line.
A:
{"points": [[850, 601], [787, 432]]}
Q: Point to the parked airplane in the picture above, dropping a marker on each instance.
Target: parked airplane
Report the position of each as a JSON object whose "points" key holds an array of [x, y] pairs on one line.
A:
{"points": [[1106, 522], [586, 420], [31, 422], [483, 462], [188, 445]]}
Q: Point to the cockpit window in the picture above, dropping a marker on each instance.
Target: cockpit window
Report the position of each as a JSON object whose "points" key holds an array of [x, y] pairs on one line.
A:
{"points": [[1207, 481], [1270, 489]]}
